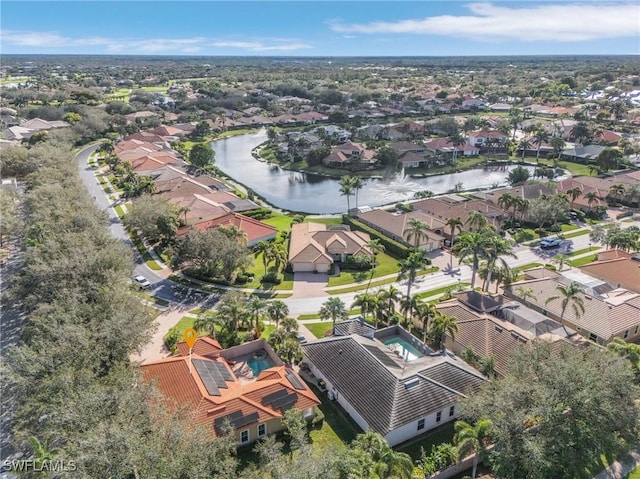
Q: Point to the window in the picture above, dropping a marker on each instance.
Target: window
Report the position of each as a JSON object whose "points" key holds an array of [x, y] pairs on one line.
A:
{"points": [[593, 337], [420, 424], [244, 437], [439, 416], [262, 430], [452, 411], [626, 334], [635, 331]]}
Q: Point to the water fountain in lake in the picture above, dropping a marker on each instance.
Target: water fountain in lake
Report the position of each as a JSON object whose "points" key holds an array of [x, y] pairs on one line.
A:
{"points": [[399, 187]]}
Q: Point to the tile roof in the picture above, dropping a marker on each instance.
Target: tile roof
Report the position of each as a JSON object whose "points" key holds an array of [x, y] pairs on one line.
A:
{"points": [[249, 399], [254, 229], [311, 242], [386, 392], [444, 210], [354, 326], [621, 272], [396, 224]]}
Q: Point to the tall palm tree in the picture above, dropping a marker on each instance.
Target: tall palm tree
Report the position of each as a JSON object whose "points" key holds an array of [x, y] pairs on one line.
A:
{"points": [[454, 224], [356, 184], [569, 295], [617, 191], [476, 221], [233, 308], [425, 313], [263, 248], [496, 249], [346, 189], [580, 132], [506, 201], [409, 268], [574, 193], [525, 293], [388, 463], [524, 145], [207, 321], [442, 325], [515, 116], [472, 245], [389, 298], [375, 247], [540, 136], [256, 306], [276, 311], [457, 140], [366, 302], [591, 197], [416, 230], [333, 308], [558, 145], [474, 439], [521, 205]]}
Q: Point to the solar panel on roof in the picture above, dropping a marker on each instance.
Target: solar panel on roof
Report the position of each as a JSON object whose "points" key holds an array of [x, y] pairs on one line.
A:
{"points": [[268, 399], [382, 356], [224, 371], [293, 397], [295, 382], [236, 419], [210, 375]]}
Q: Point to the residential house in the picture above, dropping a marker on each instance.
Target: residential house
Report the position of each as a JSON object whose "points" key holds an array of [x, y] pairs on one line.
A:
{"points": [[216, 386], [488, 139], [410, 155], [334, 132], [392, 383], [582, 154], [443, 147], [141, 116], [608, 313], [395, 226], [349, 155], [254, 230], [315, 247], [451, 206], [618, 268]]}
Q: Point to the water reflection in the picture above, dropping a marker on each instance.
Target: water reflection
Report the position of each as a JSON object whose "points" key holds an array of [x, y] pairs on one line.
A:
{"points": [[311, 193]]}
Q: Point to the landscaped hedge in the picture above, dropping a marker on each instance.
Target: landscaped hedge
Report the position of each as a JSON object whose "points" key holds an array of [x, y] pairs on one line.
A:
{"points": [[626, 214], [390, 245]]}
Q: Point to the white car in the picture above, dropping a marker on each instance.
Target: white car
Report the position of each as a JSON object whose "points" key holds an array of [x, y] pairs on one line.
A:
{"points": [[142, 282]]}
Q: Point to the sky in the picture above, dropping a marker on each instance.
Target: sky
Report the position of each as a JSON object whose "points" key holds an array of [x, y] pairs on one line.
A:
{"points": [[321, 28]]}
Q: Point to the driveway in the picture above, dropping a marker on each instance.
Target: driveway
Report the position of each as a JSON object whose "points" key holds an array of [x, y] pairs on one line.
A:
{"points": [[309, 285]]}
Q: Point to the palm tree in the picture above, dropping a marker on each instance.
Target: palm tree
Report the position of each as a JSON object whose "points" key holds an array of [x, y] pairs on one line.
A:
{"points": [[593, 169], [409, 268], [233, 308], [471, 245], [333, 308], [560, 260], [389, 298], [346, 189], [375, 247], [356, 184], [416, 230], [442, 325], [276, 311], [506, 201], [525, 293], [617, 191], [263, 248], [476, 221], [580, 132], [540, 136], [457, 140], [524, 145], [495, 250], [256, 307], [514, 119], [558, 145], [574, 193], [425, 312], [388, 463], [279, 256], [569, 295], [591, 197], [474, 439], [207, 321], [455, 224], [366, 302]]}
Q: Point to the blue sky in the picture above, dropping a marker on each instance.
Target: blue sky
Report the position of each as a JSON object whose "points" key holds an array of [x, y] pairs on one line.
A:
{"points": [[325, 28]]}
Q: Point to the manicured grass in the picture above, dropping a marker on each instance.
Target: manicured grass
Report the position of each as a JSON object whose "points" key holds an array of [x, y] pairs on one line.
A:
{"points": [[185, 323], [582, 261], [444, 289], [584, 250], [441, 434], [307, 316], [569, 227], [576, 233], [527, 266], [257, 270], [227, 134], [337, 428], [280, 221], [385, 264], [635, 474], [119, 211], [380, 282], [319, 330], [325, 221]]}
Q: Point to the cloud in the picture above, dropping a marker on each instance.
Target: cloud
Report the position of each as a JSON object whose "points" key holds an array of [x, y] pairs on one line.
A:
{"points": [[546, 22], [261, 47]]}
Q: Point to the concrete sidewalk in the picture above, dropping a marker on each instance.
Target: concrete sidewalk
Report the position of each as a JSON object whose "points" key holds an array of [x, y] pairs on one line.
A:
{"points": [[619, 470]]}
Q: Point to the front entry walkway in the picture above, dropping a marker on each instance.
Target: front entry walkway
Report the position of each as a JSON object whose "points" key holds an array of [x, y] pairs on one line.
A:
{"points": [[309, 285]]}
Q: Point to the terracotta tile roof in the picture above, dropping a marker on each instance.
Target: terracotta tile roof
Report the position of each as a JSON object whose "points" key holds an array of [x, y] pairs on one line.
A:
{"points": [[204, 346], [254, 229], [619, 272], [443, 210], [396, 225], [613, 254], [199, 208], [183, 387]]}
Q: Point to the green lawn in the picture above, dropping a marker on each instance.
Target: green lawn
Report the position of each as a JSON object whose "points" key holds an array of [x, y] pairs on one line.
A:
{"points": [[444, 289], [635, 474], [337, 428], [575, 233], [257, 270], [280, 221], [569, 227], [268, 329], [325, 221], [319, 330], [307, 316], [385, 264], [584, 250], [439, 435], [582, 261], [119, 211], [527, 266], [185, 323]]}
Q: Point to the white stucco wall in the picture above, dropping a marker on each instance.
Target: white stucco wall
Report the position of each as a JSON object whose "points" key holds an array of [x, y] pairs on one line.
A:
{"points": [[410, 430]]}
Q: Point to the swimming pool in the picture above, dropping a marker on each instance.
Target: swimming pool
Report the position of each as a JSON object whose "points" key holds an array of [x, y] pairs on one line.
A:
{"points": [[404, 349], [259, 365]]}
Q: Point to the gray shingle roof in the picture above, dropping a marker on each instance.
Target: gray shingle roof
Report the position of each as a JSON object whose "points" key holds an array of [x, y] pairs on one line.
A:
{"points": [[372, 379], [354, 326]]}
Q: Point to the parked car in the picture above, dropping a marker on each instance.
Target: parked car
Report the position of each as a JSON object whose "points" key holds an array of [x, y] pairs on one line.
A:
{"points": [[550, 243], [141, 282], [301, 339]]}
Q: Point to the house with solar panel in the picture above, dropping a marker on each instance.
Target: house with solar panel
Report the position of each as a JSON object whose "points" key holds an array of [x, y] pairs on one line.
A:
{"points": [[391, 382], [247, 386]]}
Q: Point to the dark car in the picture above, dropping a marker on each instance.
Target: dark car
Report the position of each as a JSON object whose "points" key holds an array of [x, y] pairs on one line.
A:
{"points": [[301, 339]]}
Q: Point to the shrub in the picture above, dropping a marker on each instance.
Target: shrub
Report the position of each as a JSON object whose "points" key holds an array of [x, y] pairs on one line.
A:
{"points": [[626, 214], [171, 339], [554, 228], [318, 419], [550, 267], [272, 278], [244, 278]]}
